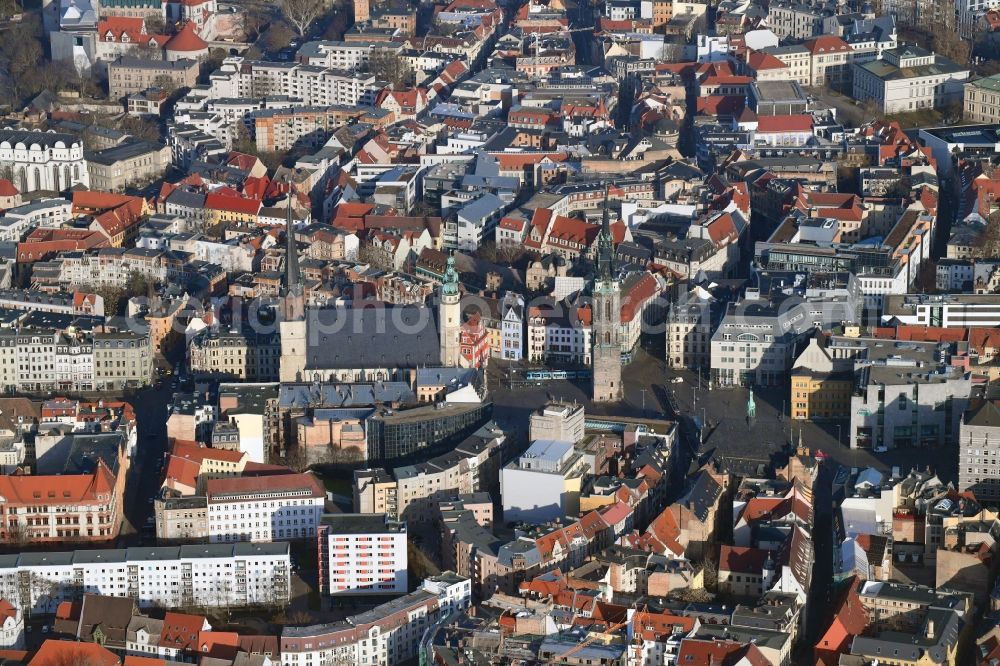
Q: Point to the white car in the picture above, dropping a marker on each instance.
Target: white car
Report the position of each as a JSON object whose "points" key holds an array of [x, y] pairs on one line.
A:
{"points": [[677, 380]]}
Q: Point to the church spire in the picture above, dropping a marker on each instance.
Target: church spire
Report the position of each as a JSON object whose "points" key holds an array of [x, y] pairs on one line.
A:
{"points": [[605, 245], [293, 277]]}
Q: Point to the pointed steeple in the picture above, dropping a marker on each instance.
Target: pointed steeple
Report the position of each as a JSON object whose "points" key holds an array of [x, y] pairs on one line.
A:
{"points": [[293, 277], [605, 245]]}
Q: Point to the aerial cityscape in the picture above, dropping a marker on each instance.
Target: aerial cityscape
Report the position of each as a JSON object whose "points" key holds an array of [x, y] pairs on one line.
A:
{"points": [[500, 332]]}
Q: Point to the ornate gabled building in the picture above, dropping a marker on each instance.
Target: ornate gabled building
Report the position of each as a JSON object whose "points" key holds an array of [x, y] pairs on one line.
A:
{"points": [[606, 355]]}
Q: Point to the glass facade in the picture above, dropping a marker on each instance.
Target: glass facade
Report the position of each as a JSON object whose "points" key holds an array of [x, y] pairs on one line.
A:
{"points": [[423, 431]]}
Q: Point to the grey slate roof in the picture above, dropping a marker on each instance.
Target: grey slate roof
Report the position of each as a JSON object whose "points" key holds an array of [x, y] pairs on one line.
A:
{"points": [[401, 337]]}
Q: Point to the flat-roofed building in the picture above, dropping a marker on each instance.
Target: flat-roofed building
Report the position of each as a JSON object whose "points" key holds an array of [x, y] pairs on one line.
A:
{"points": [[362, 554], [264, 508], [909, 78], [128, 75]]}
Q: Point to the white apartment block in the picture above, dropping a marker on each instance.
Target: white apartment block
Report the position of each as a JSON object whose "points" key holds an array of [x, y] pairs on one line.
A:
{"points": [[314, 86], [942, 310], [18, 221], [362, 554], [340, 55], [386, 635], [211, 575], [266, 508]]}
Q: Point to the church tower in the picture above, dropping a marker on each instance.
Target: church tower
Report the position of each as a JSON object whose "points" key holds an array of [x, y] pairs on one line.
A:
{"points": [[606, 321], [292, 324], [293, 298], [450, 316]]}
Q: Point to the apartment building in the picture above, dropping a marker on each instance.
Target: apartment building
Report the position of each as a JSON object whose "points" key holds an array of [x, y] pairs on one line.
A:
{"points": [[234, 355], [297, 126], [512, 327], [362, 554], [907, 395], [563, 421], [944, 310], [909, 78], [128, 74], [133, 163], [190, 466], [821, 385], [979, 451], [755, 341], [208, 575], [314, 86], [389, 633], [543, 484], [72, 359], [18, 220], [689, 328], [266, 508], [47, 508], [790, 19], [414, 492], [820, 61], [181, 519], [981, 100]]}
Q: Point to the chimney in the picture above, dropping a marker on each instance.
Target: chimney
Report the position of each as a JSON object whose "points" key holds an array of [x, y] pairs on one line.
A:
{"points": [[930, 629]]}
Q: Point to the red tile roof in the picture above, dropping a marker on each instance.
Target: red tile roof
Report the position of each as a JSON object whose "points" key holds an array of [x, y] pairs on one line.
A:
{"points": [[234, 204], [7, 188], [850, 619], [759, 60], [35, 489], [60, 653], [186, 40], [180, 631], [794, 123], [698, 652], [827, 44], [742, 560], [646, 288], [720, 105], [238, 484]]}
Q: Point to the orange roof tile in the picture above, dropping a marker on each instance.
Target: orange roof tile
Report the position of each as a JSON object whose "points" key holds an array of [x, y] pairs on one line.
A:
{"points": [[60, 653]]}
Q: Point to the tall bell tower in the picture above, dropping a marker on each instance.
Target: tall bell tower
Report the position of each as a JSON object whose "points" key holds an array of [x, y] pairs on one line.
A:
{"points": [[292, 315], [450, 316], [606, 330]]}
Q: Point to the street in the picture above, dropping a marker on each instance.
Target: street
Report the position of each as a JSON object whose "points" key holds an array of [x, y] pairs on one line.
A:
{"points": [[150, 406]]}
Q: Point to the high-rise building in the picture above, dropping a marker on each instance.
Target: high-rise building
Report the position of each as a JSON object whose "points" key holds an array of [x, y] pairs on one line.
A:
{"points": [[979, 449], [607, 358], [362, 553]]}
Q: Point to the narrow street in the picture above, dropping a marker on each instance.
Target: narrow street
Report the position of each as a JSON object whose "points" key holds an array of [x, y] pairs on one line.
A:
{"points": [[151, 413]]}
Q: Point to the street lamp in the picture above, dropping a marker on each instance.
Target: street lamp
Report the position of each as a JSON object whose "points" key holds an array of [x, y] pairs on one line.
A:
{"points": [[838, 434]]}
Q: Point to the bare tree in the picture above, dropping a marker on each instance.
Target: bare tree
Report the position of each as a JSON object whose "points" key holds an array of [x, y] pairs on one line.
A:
{"points": [[17, 533], [989, 242], [389, 67], [300, 13]]}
